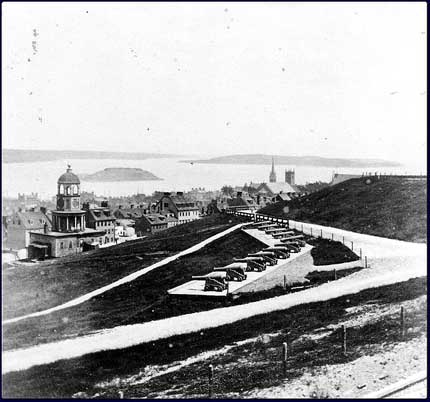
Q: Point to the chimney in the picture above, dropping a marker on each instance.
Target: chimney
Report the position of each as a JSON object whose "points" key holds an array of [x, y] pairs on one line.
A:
{"points": [[105, 204], [131, 206], [166, 194], [179, 193], [45, 228], [43, 210], [239, 194], [120, 206], [86, 206]]}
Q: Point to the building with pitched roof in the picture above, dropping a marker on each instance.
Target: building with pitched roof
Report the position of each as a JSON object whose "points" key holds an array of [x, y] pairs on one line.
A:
{"points": [[151, 223], [101, 218], [132, 212], [241, 203], [18, 226], [272, 189], [183, 209]]}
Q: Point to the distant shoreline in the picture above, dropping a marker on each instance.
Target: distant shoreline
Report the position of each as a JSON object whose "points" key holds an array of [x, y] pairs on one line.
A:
{"points": [[31, 156], [295, 161]]}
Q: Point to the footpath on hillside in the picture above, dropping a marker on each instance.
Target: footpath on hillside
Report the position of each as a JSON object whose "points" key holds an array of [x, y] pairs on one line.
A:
{"points": [[399, 261]]}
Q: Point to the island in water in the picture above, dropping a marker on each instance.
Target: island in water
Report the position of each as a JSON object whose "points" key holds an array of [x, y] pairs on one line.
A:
{"points": [[260, 159], [119, 174]]}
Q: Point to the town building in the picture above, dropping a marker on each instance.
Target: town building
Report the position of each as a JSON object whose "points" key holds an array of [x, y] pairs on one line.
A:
{"points": [[18, 226], [101, 218], [241, 203], [124, 230], [150, 223], [28, 201], [69, 234], [270, 190], [183, 209], [132, 212], [290, 177]]}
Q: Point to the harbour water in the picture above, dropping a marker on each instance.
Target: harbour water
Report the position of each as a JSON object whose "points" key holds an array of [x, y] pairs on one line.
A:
{"points": [[41, 177]]}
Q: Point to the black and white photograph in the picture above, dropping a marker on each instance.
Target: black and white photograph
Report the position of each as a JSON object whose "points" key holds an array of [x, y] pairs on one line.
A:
{"points": [[214, 200]]}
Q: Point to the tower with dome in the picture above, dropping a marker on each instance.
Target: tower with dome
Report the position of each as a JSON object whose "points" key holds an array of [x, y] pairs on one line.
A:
{"points": [[69, 234], [68, 217]]}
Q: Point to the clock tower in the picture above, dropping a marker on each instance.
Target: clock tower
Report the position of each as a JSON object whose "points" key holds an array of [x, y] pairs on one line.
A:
{"points": [[68, 217]]}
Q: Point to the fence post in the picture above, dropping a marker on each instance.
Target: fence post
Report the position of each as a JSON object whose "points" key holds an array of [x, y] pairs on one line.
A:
{"points": [[210, 379], [321, 234], [311, 231], [284, 358], [343, 239], [352, 246], [302, 227], [402, 323], [285, 282], [335, 274], [365, 261], [332, 237], [344, 339], [361, 257]]}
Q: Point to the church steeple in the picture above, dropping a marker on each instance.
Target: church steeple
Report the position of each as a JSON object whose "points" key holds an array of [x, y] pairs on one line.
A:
{"points": [[272, 176]]}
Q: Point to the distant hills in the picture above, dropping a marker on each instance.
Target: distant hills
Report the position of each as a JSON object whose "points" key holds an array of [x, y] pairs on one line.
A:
{"points": [[28, 155], [119, 174], [260, 159]]}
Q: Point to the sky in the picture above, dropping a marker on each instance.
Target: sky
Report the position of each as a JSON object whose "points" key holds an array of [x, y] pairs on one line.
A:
{"points": [[327, 79]]}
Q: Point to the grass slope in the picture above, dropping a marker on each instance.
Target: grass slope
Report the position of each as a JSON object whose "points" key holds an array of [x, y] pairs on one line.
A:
{"points": [[326, 252], [64, 378], [391, 207], [50, 283], [144, 299]]}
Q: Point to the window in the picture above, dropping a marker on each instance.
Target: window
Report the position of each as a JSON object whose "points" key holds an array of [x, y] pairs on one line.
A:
{"points": [[71, 244], [61, 245]]}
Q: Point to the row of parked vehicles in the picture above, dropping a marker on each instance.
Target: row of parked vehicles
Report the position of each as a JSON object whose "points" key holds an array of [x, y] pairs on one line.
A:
{"points": [[289, 242]]}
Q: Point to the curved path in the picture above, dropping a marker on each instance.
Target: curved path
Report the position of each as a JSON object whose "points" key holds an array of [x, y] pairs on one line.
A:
{"points": [[384, 271], [128, 278]]}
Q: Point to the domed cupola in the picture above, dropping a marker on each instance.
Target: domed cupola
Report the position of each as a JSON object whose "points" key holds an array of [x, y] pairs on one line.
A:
{"points": [[68, 194], [69, 177]]}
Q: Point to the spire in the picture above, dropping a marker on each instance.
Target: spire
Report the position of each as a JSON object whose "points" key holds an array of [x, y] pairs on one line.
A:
{"points": [[272, 176]]}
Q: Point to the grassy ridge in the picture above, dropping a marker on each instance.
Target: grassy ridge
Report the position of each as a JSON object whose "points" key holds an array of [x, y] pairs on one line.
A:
{"points": [[64, 378], [391, 207], [144, 299], [50, 283], [326, 252]]}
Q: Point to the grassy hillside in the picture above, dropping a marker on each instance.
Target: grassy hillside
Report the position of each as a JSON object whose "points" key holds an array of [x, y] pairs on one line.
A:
{"points": [[144, 299], [50, 283], [248, 366], [390, 207]]}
